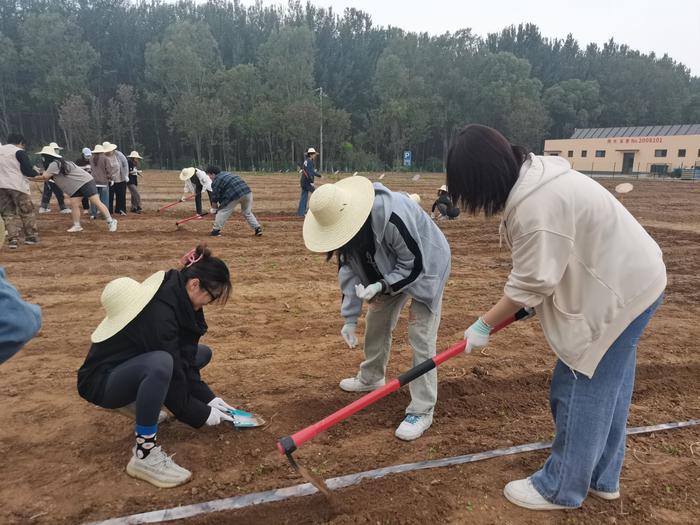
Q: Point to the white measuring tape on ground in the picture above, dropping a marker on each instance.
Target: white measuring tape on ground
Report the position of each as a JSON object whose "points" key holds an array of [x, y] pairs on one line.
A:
{"points": [[305, 489]]}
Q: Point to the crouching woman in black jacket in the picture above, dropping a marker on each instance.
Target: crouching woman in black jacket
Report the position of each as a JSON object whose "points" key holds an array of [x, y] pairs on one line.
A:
{"points": [[147, 352]]}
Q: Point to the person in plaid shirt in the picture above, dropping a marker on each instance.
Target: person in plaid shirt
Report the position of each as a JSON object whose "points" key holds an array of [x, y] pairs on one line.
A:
{"points": [[228, 191]]}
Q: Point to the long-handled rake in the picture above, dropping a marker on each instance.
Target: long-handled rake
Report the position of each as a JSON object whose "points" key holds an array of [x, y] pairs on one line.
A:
{"points": [[189, 197], [288, 444], [188, 219]]}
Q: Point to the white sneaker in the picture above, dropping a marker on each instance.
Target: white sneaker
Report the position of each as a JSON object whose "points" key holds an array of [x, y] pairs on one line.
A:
{"points": [[523, 494], [112, 225], [75, 228], [65, 211], [85, 212], [158, 468], [354, 384], [413, 426], [44, 210], [605, 495]]}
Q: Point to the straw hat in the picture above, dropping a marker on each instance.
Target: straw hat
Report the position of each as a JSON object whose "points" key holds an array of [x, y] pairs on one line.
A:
{"points": [[134, 155], [337, 212], [310, 151], [49, 150], [55, 146], [98, 149], [123, 299], [108, 146], [187, 173], [443, 188]]}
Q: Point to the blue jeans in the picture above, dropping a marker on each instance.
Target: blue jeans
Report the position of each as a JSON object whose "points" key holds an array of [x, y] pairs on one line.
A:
{"points": [[590, 417], [103, 192], [301, 210]]}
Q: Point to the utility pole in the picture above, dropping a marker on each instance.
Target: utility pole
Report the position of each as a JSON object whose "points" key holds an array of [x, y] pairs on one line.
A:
{"points": [[320, 96]]}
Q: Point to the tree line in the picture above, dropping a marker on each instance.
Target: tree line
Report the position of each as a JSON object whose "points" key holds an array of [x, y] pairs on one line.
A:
{"points": [[248, 86]]}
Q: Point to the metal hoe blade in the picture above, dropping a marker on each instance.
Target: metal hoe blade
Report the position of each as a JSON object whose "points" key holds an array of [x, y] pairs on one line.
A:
{"points": [[309, 476]]}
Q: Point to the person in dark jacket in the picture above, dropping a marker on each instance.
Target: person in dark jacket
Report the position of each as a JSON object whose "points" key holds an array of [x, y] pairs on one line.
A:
{"points": [[308, 175], [84, 162], [147, 352], [228, 191], [134, 160], [443, 207]]}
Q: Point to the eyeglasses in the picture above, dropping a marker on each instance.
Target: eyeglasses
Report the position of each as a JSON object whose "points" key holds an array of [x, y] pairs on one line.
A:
{"points": [[206, 289]]}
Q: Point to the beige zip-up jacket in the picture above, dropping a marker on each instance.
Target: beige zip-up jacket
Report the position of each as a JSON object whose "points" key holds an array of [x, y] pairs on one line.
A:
{"points": [[580, 258]]}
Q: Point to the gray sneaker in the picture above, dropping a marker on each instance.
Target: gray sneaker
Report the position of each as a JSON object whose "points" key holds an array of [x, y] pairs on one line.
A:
{"points": [[158, 469]]}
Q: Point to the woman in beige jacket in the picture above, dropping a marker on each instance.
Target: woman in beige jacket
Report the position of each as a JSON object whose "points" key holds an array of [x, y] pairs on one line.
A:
{"points": [[595, 278]]}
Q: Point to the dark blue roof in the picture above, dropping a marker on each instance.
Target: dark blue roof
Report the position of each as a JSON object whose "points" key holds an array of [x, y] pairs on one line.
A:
{"points": [[637, 131]]}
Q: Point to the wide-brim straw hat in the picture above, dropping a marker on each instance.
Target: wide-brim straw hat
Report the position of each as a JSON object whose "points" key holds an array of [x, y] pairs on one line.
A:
{"points": [[443, 188], [310, 151], [98, 149], [123, 299], [187, 173], [134, 155], [108, 146], [49, 150], [337, 212], [55, 146]]}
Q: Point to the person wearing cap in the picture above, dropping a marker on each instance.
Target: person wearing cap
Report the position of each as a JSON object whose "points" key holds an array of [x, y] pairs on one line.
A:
{"points": [[134, 159], [196, 180], [594, 277], [101, 175], [443, 207], [50, 188], [389, 252], [308, 176], [83, 162], [120, 178], [16, 206], [147, 352], [228, 190], [19, 320], [75, 182]]}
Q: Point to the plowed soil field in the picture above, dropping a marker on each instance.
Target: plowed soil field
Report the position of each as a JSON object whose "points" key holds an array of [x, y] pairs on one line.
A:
{"points": [[278, 352]]}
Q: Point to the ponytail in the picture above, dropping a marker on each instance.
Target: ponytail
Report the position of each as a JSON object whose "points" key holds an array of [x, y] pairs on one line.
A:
{"points": [[212, 272]]}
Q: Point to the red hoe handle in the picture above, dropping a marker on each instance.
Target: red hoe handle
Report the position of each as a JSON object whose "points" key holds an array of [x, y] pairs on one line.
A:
{"points": [[289, 444]]}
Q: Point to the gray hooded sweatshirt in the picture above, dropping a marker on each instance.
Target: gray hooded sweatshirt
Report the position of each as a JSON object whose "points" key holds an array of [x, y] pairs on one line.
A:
{"points": [[411, 254]]}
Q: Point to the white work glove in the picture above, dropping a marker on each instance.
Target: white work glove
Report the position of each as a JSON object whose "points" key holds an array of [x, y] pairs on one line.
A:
{"points": [[348, 333], [111, 183], [183, 198], [530, 313], [213, 211], [220, 404], [477, 335], [368, 293], [216, 416]]}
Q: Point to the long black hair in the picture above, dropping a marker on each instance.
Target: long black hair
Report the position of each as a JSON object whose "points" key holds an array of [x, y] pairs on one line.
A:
{"points": [[482, 168], [63, 167], [358, 245], [211, 271]]}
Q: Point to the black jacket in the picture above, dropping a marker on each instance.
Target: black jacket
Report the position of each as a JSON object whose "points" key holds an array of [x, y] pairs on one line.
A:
{"points": [[168, 323]]}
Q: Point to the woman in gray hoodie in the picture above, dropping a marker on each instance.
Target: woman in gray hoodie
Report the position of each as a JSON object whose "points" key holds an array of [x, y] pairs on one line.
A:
{"points": [[388, 251], [595, 278]]}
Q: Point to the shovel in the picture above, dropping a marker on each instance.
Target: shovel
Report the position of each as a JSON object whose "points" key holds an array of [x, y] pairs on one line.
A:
{"points": [[288, 444], [243, 419]]}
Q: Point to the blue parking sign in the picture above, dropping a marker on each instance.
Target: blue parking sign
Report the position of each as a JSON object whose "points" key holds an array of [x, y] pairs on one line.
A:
{"points": [[407, 158]]}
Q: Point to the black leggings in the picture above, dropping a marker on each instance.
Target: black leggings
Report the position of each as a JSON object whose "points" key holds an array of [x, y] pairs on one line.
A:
{"points": [[145, 379]]}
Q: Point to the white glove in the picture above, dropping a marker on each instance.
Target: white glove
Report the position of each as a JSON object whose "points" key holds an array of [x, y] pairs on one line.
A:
{"points": [[530, 313], [368, 293], [213, 211], [220, 404], [111, 183], [348, 333], [216, 416], [183, 198], [477, 335]]}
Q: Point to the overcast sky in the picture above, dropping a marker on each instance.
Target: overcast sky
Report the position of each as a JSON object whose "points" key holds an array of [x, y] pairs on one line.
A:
{"points": [[662, 26]]}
